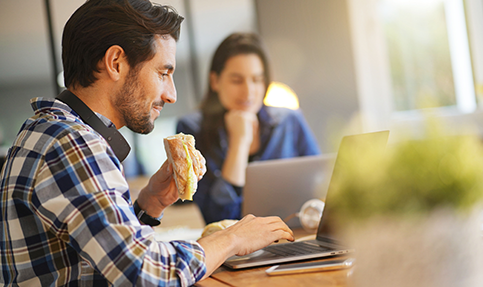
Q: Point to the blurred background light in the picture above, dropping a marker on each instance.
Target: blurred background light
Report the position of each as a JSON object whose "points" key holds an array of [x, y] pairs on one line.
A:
{"points": [[281, 95], [60, 79]]}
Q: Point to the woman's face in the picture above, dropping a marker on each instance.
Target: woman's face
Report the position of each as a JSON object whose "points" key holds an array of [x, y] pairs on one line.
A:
{"points": [[241, 84]]}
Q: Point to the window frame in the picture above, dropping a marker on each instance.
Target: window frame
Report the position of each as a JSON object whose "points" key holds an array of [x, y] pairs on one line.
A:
{"points": [[372, 67]]}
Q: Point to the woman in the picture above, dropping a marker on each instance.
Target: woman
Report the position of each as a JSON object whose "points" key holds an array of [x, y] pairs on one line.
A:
{"points": [[234, 127]]}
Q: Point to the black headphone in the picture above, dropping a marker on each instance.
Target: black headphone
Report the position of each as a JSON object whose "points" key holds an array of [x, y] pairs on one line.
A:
{"points": [[115, 139]]}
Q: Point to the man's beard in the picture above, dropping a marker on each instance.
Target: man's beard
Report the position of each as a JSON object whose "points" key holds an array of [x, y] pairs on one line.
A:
{"points": [[131, 104]]}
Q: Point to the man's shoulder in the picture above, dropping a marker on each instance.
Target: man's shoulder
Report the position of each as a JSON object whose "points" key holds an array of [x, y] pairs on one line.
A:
{"points": [[48, 128], [52, 121]]}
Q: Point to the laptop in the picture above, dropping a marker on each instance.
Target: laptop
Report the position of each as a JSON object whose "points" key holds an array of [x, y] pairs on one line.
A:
{"points": [[324, 245], [280, 187]]}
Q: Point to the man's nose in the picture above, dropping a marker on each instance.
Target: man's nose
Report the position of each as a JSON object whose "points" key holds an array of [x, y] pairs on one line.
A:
{"points": [[169, 95]]}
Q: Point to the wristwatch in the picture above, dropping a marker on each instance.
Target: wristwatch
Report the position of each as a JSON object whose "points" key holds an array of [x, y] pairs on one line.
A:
{"points": [[144, 217]]}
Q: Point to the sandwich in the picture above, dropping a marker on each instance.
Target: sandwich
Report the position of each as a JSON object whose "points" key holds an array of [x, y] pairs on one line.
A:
{"points": [[186, 163], [216, 226]]}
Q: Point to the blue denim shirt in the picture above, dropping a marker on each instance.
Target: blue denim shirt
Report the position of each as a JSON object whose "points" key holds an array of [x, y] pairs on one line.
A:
{"points": [[284, 133]]}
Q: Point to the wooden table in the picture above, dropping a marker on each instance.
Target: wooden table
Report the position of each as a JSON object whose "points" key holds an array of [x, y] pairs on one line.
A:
{"points": [[188, 216], [257, 277]]}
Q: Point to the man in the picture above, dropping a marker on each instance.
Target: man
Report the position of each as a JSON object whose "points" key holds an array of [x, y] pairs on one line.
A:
{"points": [[66, 215]]}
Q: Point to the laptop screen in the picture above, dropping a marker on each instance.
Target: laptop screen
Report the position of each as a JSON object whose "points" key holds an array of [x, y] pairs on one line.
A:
{"points": [[291, 182], [349, 148]]}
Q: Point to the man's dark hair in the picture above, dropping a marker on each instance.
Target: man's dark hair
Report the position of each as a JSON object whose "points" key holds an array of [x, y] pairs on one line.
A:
{"points": [[100, 24]]}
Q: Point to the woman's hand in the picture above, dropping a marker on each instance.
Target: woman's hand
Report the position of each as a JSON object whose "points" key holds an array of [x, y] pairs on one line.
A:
{"points": [[241, 126]]}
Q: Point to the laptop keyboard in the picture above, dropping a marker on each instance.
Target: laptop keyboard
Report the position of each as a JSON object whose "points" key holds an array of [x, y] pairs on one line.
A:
{"points": [[298, 248]]}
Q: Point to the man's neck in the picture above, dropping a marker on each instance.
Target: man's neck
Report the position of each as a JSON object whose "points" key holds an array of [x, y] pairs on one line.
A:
{"points": [[98, 101]]}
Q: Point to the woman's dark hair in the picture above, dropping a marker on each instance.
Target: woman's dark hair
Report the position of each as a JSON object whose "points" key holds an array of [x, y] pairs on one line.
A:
{"points": [[211, 107], [100, 24], [233, 45]]}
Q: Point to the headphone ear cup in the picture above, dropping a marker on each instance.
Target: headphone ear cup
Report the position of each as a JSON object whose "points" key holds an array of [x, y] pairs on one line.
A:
{"points": [[116, 141], [310, 214]]}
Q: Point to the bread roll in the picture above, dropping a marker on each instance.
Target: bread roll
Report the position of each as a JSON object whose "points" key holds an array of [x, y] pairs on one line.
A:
{"points": [[216, 226], [186, 163]]}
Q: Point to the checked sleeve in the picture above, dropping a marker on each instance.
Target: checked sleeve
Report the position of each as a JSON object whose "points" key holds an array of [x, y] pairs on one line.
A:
{"points": [[83, 198]]}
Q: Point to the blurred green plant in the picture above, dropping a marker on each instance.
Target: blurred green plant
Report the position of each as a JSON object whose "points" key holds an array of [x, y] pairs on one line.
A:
{"points": [[411, 178]]}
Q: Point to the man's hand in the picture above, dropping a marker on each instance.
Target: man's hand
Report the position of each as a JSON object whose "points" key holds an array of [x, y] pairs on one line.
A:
{"points": [[253, 233], [246, 236], [161, 190]]}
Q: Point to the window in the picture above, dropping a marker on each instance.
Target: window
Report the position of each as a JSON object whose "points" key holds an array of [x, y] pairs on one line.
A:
{"points": [[412, 54], [474, 16], [428, 53]]}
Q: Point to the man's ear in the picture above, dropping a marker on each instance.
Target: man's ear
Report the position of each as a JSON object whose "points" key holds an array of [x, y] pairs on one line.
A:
{"points": [[214, 81], [115, 62]]}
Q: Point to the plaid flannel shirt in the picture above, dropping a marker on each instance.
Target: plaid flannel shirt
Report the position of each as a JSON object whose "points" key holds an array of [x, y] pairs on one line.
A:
{"points": [[66, 217]]}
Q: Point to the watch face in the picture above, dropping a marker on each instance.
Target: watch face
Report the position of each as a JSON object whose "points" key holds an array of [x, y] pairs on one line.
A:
{"points": [[149, 220]]}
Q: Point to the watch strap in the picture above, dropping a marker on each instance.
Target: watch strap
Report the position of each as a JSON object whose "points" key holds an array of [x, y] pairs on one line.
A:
{"points": [[144, 217]]}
